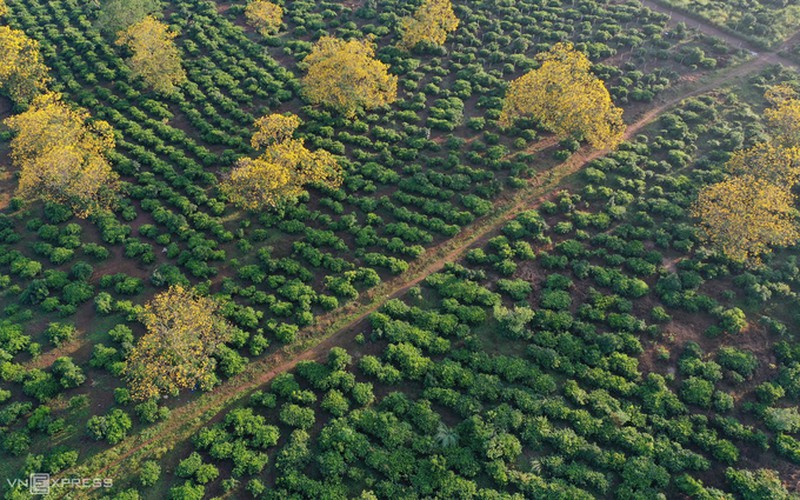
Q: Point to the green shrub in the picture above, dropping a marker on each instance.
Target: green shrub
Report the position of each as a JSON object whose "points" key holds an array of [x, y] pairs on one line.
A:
{"points": [[697, 391], [742, 362], [112, 427], [58, 333], [149, 473], [516, 289], [297, 416], [556, 299], [335, 403]]}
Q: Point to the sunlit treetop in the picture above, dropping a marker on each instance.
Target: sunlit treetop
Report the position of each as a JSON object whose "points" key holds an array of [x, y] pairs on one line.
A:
{"points": [[266, 17], [273, 129], [3, 8], [745, 216], [769, 161], [431, 23], [61, 156], [278, 176], [783, 116], [345, 76], [183, 331], [23, 74], [566, 98], [155, 57]]}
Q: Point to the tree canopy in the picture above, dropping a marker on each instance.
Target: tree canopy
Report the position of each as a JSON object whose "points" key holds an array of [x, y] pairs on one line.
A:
{"points": [[61, 155], [783, 116], [23, 74], [774, 163], [346, 76], [743, 216], [266, 17], [117, 15], [278, 175], [184, 330], [155, 57], [753, 210], [566, 98], [431, 23]]}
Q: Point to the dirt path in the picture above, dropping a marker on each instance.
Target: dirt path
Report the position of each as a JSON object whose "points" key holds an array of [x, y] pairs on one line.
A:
{"points": [[737, 42], [698, 23], [337, 328]]}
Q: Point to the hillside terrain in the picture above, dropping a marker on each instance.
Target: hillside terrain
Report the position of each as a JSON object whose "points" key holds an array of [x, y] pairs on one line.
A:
{"points": [[450, 303]]}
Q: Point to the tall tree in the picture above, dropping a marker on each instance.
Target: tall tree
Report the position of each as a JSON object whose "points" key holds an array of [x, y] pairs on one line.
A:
{"points": [[773, 163], [61, 155], [743, 216], [184, 330], [279, 174], [566, 98], [346, 76], [117, 15], [23, 74], [155, 57], [266, 17], [783, 116], [431, 23]]}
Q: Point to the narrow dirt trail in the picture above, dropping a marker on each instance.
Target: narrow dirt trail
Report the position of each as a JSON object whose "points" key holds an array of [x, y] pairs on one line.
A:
{"points": [[337, 328], [696, 22]]}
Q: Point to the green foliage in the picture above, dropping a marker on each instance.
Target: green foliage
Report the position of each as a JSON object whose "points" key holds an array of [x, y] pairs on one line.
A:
{"points": [[297, 416], [335, 403], [149, 411], [68, 373], [58, 333], [112, 427], [516, 289], [116, 15], [782, 419], [504, 373], [757, 485], [697, 391], [742, 362], [149, 473], [733, 320]]}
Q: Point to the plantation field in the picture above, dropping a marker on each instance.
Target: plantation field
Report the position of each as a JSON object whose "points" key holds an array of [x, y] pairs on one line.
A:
{"points": [[477, 311], [763, 22], [584, 351]]}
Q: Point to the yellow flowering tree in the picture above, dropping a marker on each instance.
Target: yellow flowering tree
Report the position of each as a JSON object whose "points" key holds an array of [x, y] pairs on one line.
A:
{"points": [[431, 23], [266, 17], [566, 98], [23, 74], [273, 129], [773, 163], [744, 216], [346, 76], [155, 57], [279, 174], [783, 116], [61, 155], [184, 330], [3, 8]]}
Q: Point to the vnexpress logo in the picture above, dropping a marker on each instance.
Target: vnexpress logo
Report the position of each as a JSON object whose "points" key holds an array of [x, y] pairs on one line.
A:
{"points": [[40, 483]]}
